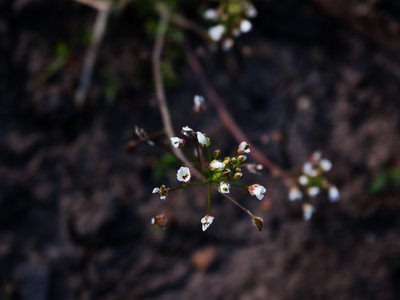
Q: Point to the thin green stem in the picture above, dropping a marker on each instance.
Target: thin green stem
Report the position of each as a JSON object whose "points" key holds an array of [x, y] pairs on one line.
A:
{"points": [[198, 155], [239, 185], [237, 204], [209, 198], [197, 162]]}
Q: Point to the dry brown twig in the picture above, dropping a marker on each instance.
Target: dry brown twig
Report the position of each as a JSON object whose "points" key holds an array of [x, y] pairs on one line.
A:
{"points": [[159, 86]]}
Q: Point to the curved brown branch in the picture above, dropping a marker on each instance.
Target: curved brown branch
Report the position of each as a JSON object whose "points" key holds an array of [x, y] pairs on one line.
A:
{"points": [[225, 116]]}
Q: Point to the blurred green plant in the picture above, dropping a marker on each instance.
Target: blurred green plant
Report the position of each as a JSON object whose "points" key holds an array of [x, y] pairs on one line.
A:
{"points": [[388, 179], [163, 165], [62, 53]]}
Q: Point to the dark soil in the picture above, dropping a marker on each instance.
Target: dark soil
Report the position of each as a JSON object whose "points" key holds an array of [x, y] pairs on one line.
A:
{"points": [[75, 207]]}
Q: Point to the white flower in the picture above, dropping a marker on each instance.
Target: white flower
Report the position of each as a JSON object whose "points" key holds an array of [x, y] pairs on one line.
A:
{"points": [[309, 170], [206, 222], [203, 139], [334, 194], [257, 190], [313, 191], [224, 187], [187, 131], [316, 156], [251, 11], [303, 180], [216, 165], [295, 194], [199, 103], [183, 174], [177, 142], [244, 147], [210, 14], [325, 164], [308, 210], [216, 32], [245, 26]]}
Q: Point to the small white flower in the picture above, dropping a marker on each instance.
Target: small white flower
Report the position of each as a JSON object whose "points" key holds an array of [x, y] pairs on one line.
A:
{"points": [[295, 194], [325, 164], [203, 139], [244, 147], [199, 103], [313, 191], [303, 180], [224, 187], [183, 174], [206, 221], [309, 170], [216, 32], [216, 165], [251, 11], [162, 190], [210, 14], [334, 194], [187, 131], [245, 26], [177, 142], [257, 190], [308, 210]]}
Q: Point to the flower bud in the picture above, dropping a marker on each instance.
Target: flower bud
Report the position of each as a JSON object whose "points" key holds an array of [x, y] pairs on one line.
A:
{"points": [[227, 161], [217, 153], [233, 160], [258, 222], [241, 159], [226, 173], [238, 176]]}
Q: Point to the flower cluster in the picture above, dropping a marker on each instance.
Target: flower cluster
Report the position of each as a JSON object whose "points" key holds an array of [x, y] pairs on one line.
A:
{"points": [[230, 19], [311, 181], [219, 173]]}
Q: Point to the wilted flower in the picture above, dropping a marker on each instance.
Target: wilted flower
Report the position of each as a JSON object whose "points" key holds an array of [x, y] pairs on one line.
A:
{"points": [[187, 131], [162, 190], [308, 210], [160, 221], [257, 190], [224, 187], [203, 139], [244, 147], [183, 174], [199, 103], [295, 194], [255, 168], [258, 222], [177, 142], [245, 26], [206, 222], [216, 165], [334, 194], [216, 32]]}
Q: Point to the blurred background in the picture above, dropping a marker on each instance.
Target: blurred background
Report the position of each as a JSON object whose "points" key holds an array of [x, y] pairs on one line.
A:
{"points": [[75, 206]]}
